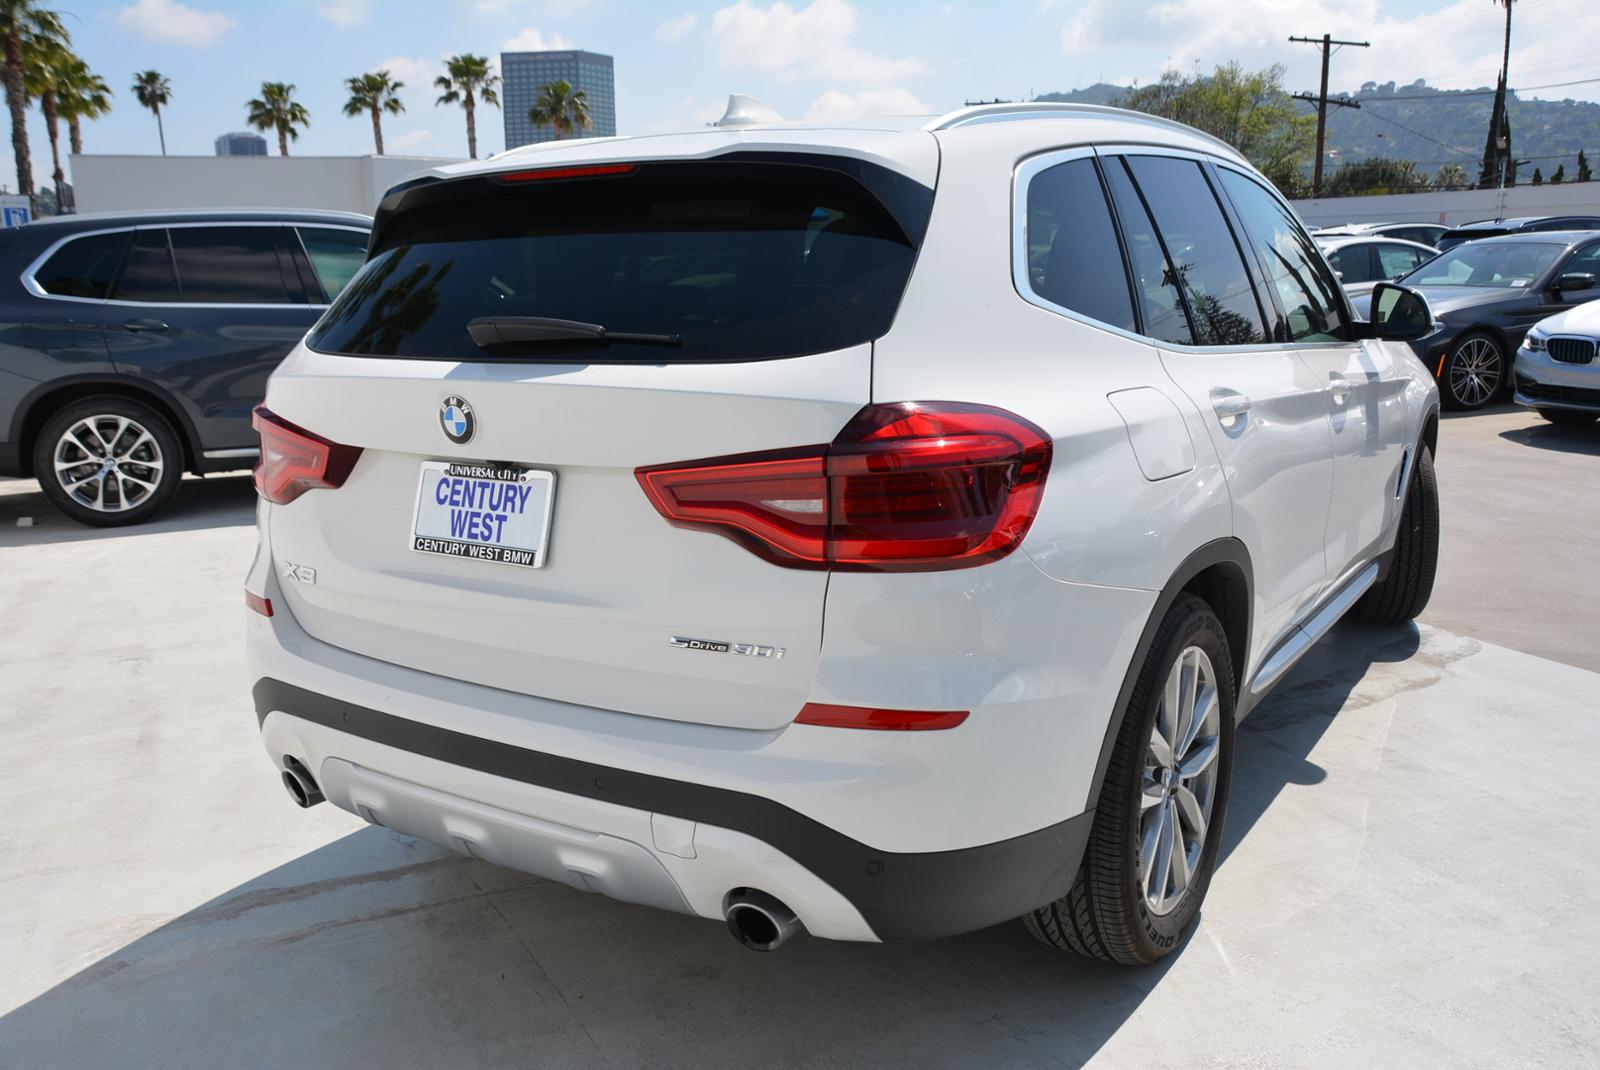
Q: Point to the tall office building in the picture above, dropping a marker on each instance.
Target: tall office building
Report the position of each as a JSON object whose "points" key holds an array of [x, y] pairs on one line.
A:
{"points": [[524, 73], [241, 144]]}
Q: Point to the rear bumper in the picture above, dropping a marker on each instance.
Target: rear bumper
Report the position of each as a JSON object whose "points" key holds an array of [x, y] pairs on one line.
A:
{"points": [[648, 839]]}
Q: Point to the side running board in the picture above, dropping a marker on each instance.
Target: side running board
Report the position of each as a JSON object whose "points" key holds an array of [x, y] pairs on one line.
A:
{"points": [[1294, 647]]}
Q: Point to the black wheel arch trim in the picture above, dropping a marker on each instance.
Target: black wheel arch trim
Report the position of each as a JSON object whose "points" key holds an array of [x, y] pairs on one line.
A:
{"points": [[913, 896], [139, 389], [1227, 551]]}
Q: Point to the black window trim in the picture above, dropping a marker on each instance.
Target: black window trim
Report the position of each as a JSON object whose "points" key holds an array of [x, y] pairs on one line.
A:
{"points": [[31, 283]]}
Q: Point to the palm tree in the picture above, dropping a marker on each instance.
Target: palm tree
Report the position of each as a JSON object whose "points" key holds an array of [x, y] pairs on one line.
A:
{"points": [[374, 93], [22, 25], [82, 95], [47, 65], [559, 108], [152, 90], [467, 80], [276, 109]]}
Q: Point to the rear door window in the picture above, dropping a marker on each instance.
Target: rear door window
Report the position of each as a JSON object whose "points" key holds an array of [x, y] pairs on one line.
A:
{"points": [[1156, 282], [1313, 306], [230, 265], [148, 273], [1396, 260], [733, 260], [1353, 263], [1074, 260], [1211, 271], [335, 254], [83, 267]]}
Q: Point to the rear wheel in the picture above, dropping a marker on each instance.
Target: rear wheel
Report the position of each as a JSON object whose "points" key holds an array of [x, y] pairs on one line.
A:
{"points": [[108, 461], [1568, 417], [1403, 593], [1474, 372], [1158, 822]]}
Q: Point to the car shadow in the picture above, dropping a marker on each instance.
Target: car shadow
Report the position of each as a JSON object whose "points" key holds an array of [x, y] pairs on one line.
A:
{"points": [[380, 950], [1498, 407], [1546, 436], [28, 518]]}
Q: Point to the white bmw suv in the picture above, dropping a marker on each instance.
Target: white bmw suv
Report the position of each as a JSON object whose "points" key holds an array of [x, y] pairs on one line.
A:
{"points": [[873, 528]]}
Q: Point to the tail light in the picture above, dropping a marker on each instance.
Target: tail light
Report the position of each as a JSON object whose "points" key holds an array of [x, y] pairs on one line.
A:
{"points": [[293, 460], [912, 486]]}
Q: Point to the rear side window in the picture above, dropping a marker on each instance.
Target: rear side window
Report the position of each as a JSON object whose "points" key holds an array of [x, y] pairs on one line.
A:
{"points": [[229, 265], [336, 255], [1352, 263], [739, 261], [1308, 294], [1074, 260], [1216, 288], [148, 274], [83, 267]]}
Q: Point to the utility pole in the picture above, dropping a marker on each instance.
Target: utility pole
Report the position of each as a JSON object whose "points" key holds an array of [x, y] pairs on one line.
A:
{"points": [[1326, 43]]}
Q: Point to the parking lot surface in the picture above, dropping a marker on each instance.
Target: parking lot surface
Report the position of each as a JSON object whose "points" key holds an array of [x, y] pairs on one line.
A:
{"points": [[1407, 881]]}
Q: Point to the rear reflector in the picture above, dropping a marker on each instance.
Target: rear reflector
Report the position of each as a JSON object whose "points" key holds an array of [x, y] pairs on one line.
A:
{"points": [[293, 460], [587, 171], [912, 486], [821, 713], [261, 605]]}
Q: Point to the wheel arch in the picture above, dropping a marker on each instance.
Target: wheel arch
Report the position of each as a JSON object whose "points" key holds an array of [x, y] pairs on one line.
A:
{"points": [[44, 400], [1219, 572]]}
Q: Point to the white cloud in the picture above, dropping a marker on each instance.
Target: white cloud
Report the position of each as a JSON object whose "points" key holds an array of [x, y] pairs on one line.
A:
{"points": [[834, 105], [407, 139], [492, 7], [531, 40], [343, 12], [676, 29], [413, 72], [687, 113], [168, 20], [816, 41]]}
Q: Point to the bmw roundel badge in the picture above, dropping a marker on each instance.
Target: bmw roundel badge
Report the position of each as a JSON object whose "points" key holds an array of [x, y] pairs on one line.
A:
{"points": [[456, 419]]}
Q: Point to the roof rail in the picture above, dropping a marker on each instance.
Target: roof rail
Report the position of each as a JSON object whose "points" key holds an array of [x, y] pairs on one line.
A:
{"points": [[999, 113]]}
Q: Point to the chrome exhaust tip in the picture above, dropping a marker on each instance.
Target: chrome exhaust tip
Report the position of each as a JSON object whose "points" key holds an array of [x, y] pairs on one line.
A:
{"points": [[758, 920], [298, 782]]}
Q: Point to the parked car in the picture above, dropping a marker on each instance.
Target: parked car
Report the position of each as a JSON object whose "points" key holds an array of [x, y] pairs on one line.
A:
{"points": [[1362, 263], [1421, 233], [729, 531], [136, 345], [1486, 294], [1490, 228], [1557, 374]]}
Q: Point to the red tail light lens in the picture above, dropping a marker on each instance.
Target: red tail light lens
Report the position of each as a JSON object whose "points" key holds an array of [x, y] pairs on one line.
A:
{"points": [[293, 460], [829, 716], [913, 486], [258, 604]]}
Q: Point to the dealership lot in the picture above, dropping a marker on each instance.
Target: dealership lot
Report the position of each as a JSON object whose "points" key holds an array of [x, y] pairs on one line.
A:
{"points": [[167, 905]]}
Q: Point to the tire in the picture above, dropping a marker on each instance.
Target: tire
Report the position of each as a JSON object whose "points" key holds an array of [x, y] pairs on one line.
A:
{"points": [[1568, 417], [1403, 593], [1474, 373], [1107, 913], [148, 461]]}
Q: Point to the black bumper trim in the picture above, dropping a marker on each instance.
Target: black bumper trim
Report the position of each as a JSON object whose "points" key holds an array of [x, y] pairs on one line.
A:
{"points": [[902, 896]]}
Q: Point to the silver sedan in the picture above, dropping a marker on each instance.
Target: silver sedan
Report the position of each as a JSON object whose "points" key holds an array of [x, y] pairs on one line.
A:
{"points": [[1557, 373]]}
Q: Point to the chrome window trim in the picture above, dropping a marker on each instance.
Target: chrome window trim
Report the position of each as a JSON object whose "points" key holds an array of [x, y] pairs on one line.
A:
{"points": [[31, 284], [1031, 166]]}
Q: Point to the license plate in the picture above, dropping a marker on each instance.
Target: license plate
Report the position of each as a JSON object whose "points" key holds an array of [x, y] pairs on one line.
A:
{"points": [[489, 512]]}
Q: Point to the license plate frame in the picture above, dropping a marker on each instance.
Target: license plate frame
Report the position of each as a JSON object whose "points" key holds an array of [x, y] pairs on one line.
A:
{"points": [[486, 477]]}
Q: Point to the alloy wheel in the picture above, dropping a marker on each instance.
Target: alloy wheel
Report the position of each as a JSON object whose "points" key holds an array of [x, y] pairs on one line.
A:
{"points": [[108, 463], [1475, 372], [1179, 784]]}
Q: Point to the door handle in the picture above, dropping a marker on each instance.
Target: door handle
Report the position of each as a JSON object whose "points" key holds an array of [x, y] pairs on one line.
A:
{"points": [[145, 325], [1338, 388], [1231, 407]]}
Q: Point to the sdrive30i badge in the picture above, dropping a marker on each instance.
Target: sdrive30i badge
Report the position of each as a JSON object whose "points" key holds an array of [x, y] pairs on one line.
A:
{"points": [[717, 646]]}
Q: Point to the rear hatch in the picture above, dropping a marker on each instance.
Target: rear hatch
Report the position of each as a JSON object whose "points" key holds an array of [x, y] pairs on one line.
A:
{"points": [[739, 298]]}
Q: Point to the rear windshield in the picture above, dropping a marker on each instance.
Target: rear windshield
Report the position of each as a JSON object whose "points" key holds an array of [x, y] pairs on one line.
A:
{"points": [[739, 261]]}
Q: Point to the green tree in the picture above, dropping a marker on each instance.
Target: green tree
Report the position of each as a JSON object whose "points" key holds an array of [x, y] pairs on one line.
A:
{"points": [[1374, 176], [1538, 177], [1450, 176], [152, 90], [47, 65], [83, 94], [467, 80], [276, 109], [1585, 174], [23, 27], [560, 108], [374, 94], [1250, 110], [1560, 175]]}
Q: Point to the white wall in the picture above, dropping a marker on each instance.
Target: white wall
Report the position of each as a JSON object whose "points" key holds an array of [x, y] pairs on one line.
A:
{"points": [[1455, 207], [343, 183]]}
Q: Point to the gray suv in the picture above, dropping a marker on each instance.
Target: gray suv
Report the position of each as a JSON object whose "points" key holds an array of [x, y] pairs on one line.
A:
{"points": [[135, 346]]}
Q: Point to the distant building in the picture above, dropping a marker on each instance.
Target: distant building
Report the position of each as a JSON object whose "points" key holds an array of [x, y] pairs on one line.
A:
{"points": [[524, 73], [241, 144]]}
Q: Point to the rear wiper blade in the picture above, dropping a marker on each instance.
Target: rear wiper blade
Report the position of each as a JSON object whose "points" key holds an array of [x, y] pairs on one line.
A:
{"points": [[493, 332]]}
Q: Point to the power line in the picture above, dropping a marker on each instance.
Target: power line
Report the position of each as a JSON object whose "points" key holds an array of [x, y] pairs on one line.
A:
{"points": [[1326, 43]]}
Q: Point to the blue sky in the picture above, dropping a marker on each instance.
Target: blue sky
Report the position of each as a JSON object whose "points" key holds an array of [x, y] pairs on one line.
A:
{"points": [[677, 60]]}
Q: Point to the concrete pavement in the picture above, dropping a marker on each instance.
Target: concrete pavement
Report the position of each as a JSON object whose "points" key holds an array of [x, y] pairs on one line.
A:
{"points": [[1402, 885]]}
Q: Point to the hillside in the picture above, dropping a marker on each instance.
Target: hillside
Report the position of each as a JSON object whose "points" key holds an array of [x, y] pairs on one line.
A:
{"points": [[1437, 126]]}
